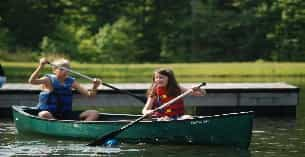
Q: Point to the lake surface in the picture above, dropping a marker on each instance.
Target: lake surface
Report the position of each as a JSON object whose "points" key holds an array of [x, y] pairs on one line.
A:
{"points": [[272, 137]]}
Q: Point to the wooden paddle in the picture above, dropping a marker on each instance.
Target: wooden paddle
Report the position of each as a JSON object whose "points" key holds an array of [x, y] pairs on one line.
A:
{"points": [[101, 140], [141, 98]]}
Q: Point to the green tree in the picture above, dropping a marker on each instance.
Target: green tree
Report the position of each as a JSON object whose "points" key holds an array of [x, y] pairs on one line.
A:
{"points": [[62, 40], [116, 43], [227, 31], [288, 31], [28, 21], [6, 40]]}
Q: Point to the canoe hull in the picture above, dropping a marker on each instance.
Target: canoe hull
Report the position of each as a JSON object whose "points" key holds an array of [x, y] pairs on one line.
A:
{"points": [[229, 129]]}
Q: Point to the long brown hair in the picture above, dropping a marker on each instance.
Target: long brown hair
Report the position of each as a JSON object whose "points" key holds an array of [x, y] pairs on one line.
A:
{"points": [[173, 89]]}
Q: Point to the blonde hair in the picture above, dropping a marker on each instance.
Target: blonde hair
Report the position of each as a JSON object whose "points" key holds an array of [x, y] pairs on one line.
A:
{"points": [[61, 63]]}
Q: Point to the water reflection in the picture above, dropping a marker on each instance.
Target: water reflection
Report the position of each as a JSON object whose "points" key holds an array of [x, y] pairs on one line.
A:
{"points": [[195, 151], [63, 149], [33, 149], [280, 137]]}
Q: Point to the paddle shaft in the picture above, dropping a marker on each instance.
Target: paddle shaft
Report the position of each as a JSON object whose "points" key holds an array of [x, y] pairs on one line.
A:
{"points": [[103, 139], [143, 99]]}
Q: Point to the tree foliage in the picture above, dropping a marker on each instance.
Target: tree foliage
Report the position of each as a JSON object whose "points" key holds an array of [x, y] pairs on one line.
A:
{"points": [[121, 31], [117, 42]]}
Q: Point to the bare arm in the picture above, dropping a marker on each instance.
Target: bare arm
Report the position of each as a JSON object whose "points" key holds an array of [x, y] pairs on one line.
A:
{"points": [[34, 77], [84, 91], [148, 106]]}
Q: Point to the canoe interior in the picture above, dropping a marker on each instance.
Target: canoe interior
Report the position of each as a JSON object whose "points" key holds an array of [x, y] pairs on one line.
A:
{"points": [[102, 116]]}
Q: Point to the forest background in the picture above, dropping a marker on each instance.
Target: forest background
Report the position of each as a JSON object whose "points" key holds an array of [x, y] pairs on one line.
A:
{"points": [[153, 31]]}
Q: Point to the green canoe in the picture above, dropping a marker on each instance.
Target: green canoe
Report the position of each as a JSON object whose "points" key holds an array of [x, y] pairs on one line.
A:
{"points": [[234, 129]]}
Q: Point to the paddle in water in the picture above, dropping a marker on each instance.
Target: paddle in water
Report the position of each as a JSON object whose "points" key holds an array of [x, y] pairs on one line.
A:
{"points": [[141, 98], [103, 139]]}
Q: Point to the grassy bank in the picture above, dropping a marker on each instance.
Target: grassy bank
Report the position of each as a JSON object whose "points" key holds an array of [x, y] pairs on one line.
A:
{"points": [[19, 72]]}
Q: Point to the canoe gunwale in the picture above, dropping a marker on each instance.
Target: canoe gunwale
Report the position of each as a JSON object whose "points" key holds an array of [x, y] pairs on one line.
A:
{"points": [[20, 109]]}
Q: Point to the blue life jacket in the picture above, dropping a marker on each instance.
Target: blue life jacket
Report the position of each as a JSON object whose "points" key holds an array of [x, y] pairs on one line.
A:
{"points": [[60, 99]]}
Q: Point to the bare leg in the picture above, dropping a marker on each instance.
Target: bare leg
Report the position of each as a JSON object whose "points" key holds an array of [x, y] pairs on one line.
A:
{"points": [[89, 115], [45, 115]]}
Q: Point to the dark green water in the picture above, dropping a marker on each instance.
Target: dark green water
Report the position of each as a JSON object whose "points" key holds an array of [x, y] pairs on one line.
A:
{"points": [[272, 137]]}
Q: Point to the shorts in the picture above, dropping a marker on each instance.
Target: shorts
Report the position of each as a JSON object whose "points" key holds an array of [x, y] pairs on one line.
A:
{"points": [[73, 115]]}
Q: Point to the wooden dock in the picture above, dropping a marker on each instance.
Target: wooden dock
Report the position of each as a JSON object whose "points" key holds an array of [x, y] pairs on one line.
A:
{"points": [[264, 98]]}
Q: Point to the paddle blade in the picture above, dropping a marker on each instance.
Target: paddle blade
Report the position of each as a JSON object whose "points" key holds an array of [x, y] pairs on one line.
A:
{"points": [[102, 140]]}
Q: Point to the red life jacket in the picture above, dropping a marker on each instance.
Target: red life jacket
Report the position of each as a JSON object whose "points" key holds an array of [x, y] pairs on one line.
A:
{"points": [[173, 110]]}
